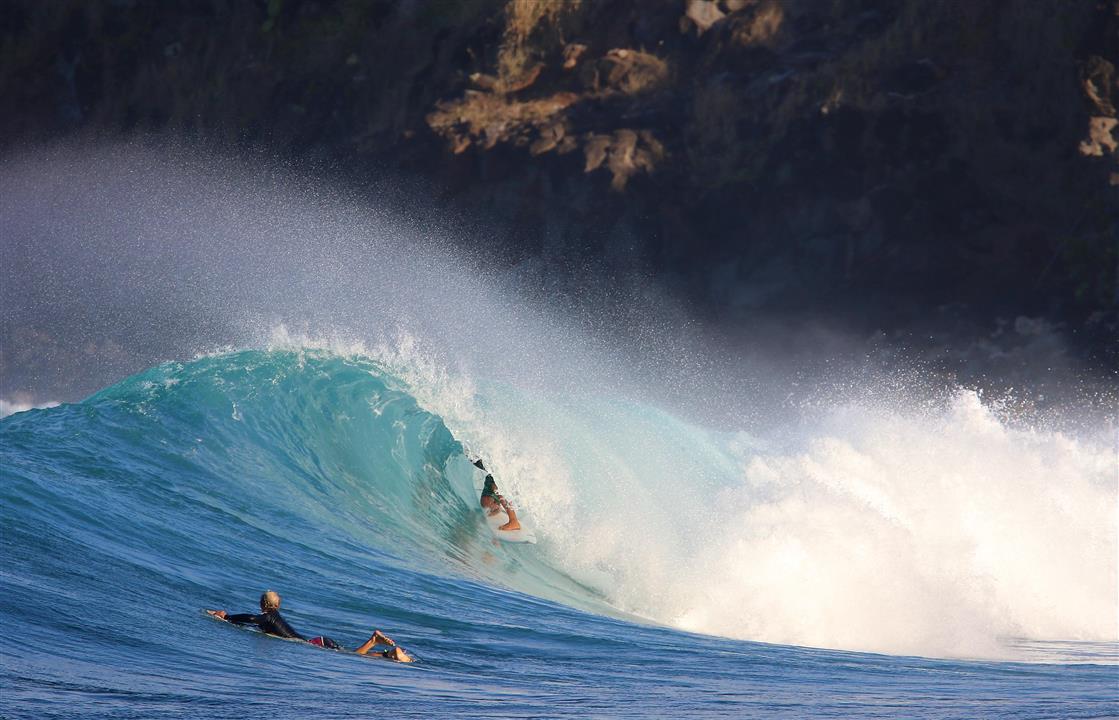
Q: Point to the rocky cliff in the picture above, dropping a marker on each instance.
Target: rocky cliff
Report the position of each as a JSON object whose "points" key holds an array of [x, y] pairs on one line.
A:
{"points": [[885, 161]]}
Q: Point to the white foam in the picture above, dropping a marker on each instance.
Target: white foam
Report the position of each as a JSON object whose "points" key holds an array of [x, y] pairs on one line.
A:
{"points": [[912, 534], [22, 403]]}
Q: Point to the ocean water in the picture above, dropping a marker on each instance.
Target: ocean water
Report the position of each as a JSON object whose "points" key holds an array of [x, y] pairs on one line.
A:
{"points": [[722, 532], [324, 476]]}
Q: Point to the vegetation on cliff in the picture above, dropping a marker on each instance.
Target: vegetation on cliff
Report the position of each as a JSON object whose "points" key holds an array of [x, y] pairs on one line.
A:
{"points": [[885, 159]]}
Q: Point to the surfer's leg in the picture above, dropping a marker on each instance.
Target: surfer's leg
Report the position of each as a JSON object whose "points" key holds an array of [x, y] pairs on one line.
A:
{"points": [[377, 638], [514, 523], [397, 653]]}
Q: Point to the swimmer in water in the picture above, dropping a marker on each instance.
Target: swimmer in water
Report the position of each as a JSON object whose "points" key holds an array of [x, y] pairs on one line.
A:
{"points": [[492, 501], [271, 622]]}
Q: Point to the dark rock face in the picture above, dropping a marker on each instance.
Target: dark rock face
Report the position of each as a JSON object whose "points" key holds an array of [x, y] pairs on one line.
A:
{"points": [[874, 159]]}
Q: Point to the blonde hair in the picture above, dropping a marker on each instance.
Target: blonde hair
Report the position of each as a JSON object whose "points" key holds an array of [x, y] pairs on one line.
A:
{"points": [[269, 600]]}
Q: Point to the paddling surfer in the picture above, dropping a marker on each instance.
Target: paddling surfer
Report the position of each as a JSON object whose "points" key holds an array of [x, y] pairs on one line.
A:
{"points": [[272, 623], [492, 501]]}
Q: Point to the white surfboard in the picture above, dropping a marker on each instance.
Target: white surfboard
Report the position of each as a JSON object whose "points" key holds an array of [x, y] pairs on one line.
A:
{"points": [[495, 521]]}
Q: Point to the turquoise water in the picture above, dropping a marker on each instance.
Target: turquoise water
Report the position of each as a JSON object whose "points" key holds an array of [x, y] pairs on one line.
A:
{"points": [[199, 484]]}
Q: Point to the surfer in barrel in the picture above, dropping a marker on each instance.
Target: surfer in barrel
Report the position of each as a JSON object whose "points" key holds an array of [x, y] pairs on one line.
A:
{"points": [[493, 502], [272, 623]]}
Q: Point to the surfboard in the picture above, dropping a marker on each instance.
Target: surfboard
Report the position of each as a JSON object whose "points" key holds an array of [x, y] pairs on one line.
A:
{"points": [[524, 535]]}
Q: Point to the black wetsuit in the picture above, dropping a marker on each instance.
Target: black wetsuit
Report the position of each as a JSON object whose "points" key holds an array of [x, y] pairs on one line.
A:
{"points": [[269, 622]]}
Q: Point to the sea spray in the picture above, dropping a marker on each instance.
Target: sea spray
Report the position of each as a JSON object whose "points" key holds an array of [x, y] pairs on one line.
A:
{"points": [[928, 535], [662, 473]]}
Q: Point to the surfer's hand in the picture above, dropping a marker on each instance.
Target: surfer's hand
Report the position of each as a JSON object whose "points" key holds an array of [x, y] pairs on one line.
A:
{"points": [[219, 614]]}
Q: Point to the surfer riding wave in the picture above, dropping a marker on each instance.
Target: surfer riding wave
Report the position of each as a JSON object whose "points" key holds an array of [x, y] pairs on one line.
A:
{"points": [[493, 502]]}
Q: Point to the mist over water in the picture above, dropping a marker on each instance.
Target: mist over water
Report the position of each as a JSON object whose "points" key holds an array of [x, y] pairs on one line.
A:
{"points": [[855, 510]]}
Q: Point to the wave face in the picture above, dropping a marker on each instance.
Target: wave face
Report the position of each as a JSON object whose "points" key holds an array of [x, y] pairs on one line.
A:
{"points": [[940, 533], [293, 446], [197, 484]]}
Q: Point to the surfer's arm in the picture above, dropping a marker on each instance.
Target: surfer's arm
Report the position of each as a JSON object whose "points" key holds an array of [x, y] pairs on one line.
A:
{"points": [[242, 619]]}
